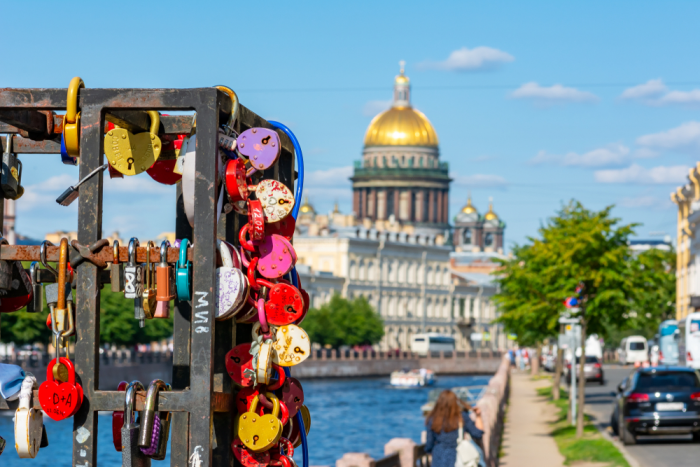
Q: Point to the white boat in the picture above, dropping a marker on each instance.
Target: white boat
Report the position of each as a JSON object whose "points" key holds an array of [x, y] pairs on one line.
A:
{"points": [[413, 378]]}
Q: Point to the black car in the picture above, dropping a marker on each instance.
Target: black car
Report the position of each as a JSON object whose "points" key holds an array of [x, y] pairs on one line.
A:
{"points": [[657, 401]]}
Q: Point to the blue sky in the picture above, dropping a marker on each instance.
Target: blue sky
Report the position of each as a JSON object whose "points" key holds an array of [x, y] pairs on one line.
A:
{"points": [[534, 103]]}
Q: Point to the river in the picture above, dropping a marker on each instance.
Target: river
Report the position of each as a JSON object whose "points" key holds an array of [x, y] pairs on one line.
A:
{"points": [[347, 415]]}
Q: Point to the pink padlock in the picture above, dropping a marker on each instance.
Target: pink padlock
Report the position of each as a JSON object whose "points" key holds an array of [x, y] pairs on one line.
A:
{"points": [[277, 257]]}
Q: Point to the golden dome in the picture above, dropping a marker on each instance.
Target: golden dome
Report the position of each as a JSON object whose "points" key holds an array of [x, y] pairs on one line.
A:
{"points": [[491, 216], [401, 126], [469, 208], [306, 208]]}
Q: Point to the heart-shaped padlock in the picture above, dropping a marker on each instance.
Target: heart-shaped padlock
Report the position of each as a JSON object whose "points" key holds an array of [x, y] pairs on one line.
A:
{"points": [[284, 305], [277, 256], [238, 360], [277, 200], [261, 146], [232, 285], [249, 458], [162, 169], [236, 185], [292, 394], [260, 432], [29, 423], [244, 397], [291, 345], [132, 154], [285, 227], [60, 400]]}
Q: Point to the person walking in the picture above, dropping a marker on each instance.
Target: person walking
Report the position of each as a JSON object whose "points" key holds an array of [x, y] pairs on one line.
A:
{"points": [[450, 416]]}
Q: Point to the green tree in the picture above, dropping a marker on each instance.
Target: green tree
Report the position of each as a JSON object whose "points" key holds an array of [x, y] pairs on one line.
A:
{"points": [[344, 322], [117, 324]]}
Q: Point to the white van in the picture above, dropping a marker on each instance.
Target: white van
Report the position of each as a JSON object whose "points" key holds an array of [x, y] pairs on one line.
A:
{"points": [[423, 344], [689, 341], [633, 349]]}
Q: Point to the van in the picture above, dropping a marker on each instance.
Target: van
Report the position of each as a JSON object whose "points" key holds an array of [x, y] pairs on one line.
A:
{"points": [[633, 349], [689, 341], [668, 342]]}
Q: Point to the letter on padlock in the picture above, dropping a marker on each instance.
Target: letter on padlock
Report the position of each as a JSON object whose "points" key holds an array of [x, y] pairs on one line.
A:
{"points": [[131, 453], [60, 400], [260, 432], [29, 423], [291, 346]]}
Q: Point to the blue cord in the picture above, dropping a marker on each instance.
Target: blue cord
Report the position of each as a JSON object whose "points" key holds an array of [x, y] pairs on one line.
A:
{"points": [[300, 165], [302, 430]]}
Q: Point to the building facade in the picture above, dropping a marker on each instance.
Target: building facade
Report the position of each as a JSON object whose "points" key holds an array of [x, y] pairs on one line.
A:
{"points": [[687, 198]]}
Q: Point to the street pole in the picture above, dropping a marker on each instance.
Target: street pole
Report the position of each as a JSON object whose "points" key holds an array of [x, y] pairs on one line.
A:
{"points": [[572, 387]]}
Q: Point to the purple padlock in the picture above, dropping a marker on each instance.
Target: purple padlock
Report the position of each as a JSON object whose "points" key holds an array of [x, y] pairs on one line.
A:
{"points": [[277, 257], [292, 395], [261, 146]]}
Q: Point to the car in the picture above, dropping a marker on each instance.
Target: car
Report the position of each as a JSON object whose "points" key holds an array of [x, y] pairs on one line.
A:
{"points": [[661, 400], [592, 368], [549, 362]]}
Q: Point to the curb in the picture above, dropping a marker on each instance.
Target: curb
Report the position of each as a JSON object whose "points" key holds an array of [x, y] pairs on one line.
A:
{"points": [[620, 447]]}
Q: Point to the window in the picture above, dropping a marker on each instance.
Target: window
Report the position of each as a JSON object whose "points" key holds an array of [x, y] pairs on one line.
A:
{"points": [[666, 380], [488, 239], [389, 203], [467, 236], [424, 214], [637, 346]]}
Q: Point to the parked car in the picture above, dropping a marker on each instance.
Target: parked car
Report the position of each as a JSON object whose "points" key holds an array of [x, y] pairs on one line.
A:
{"points": [[657, 401], [592, 368], [549, 362]]}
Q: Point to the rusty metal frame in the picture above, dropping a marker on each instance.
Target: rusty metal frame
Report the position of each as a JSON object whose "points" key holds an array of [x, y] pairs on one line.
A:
{"points": [[201, 400]]}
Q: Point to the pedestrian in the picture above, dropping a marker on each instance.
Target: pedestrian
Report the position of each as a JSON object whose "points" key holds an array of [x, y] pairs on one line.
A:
{"points": [[443, 425]]}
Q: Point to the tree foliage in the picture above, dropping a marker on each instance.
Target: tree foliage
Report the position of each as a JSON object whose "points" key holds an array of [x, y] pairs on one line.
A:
{"points": [[344, 322], [117, 324]]}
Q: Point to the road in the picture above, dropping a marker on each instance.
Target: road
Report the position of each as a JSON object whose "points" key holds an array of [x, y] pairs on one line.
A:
{"points": [[675, 451]]}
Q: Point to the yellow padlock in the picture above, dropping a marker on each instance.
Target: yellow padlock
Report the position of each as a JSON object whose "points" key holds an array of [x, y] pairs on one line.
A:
{"points": [[260, 432], [71, 120], [235, 107], [132, 154]]}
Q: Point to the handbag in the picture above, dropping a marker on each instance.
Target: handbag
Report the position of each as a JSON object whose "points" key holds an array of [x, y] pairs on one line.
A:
{"points": [[467, 455]]}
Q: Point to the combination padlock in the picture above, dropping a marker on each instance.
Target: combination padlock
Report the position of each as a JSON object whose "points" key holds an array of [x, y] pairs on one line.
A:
{"points": [[116, 269], [11, 173]]}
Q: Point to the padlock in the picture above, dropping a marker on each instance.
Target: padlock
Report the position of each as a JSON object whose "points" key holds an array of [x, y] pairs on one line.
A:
{"points": [[5, 270], [231, 284], [29, 423], [70, 140], [295, 433], [235, 109], [132, 154], [3, 443], [149, 291], [285, 227], [247, 457], [238, 360], [163, 170], [284, 304], [60, 400], [277, 200], [261, 146], [131, 453], [155, 426], [11, 173], [236, 185], [256, 220], [189, 174], [292, 394], [36, 304], [260, 432], [165, 283], [184, 274], [291, 345], [118, 421], [277, 257], [263, 370], [20, 293], [116, 270], [133, 282]]}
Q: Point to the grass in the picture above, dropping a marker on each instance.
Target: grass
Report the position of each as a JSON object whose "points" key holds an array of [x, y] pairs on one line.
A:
{"points": [[592, 447]]}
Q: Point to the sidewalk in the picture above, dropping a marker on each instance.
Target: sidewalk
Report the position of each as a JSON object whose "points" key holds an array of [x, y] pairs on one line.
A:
{"points": [[526, 439]]}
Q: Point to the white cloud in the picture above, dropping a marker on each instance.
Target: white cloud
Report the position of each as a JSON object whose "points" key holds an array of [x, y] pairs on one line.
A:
{"points": [[645, 202], [479, 180], [655, 93], [685, 138], [652, 88], [372, 108], [552, 94], [611, 155], [636, 174], [464, 59], [328, 178]]}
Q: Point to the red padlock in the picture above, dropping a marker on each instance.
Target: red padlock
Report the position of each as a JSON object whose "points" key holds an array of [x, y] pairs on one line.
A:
{"points": [[284, 305], [118, 421], [162, 169], [236, 185], [238, 360], [256, 220], [60, 400], [248, 458], [285, 227], [20, 292]]}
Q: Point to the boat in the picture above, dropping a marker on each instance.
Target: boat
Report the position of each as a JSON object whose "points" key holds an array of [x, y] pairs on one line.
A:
{"points": [[413, 378]]}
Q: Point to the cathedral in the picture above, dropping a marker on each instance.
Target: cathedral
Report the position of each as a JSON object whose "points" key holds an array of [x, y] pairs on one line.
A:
{"points": [[398, 248]]}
